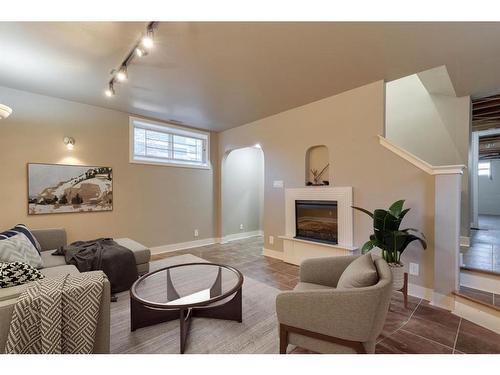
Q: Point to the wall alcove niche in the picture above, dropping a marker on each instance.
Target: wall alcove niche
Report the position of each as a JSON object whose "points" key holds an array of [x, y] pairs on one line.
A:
{"points": [[317, 171]]}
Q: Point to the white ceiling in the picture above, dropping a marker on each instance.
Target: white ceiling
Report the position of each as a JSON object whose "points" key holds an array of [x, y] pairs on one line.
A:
{"points": [[220, 75]]}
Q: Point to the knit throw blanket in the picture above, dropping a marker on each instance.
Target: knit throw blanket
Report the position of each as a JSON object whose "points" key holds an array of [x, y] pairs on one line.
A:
{"points": [[57, 315]]}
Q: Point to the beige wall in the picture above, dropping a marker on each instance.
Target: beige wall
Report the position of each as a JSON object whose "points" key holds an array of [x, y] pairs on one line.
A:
{"points": [[155, 205], [348, 124], [432, 126], [242, 191]]}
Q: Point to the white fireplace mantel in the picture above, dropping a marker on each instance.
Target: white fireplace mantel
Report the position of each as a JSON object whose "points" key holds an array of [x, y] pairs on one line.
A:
{"points": [[296, 250]]}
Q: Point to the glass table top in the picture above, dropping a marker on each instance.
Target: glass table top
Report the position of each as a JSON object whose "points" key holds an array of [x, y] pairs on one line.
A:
{"points": [[187, 285]]}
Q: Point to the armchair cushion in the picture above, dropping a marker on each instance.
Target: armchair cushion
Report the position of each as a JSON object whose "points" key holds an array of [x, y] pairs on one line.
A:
{"points": [[360, 273], [325, 270]]}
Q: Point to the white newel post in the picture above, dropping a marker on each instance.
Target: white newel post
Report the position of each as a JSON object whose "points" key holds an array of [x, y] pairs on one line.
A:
{"points": [[446, 238]]}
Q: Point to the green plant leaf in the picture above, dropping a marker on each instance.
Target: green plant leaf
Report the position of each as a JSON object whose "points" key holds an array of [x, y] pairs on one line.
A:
{"points": [[396, 208], [403, 213], [410, 238], [416, 232], [409, 230], [363, 210], [367, 247]]}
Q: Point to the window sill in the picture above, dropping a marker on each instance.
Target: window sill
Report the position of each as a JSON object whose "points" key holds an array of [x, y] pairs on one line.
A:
{"points": [[178, 165]]}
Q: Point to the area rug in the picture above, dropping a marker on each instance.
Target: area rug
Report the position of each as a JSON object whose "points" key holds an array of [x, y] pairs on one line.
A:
{"points": [[257, 333]]}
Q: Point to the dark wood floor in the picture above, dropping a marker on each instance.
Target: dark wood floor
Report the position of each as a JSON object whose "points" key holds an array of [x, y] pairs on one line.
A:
{"points": [[420, 328]]}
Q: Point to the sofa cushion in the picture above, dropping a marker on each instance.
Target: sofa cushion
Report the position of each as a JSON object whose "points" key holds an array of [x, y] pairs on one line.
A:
{"points": [[305, 287], [360, 273], [50, 260], [68, 269], [18, 248], [17, 273], [15, 291], [141, 253], [21, 228]]}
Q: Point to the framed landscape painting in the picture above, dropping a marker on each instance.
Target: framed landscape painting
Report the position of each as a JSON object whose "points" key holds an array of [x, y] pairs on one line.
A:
{"points": [[57, 188]]}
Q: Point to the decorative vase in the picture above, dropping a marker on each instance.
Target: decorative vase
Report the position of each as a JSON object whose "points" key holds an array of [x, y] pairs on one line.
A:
{"points": [[398, 272]]}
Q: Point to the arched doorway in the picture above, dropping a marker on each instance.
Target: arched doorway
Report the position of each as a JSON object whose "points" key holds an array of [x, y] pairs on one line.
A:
{"points": [[242, 193]]}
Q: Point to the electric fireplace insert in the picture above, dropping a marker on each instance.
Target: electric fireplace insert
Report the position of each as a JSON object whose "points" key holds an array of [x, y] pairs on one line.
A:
{"points": [[316, 221]]}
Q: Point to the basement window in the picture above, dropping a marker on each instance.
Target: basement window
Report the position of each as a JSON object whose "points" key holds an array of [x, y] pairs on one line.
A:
{"points": [[484, 169], [167, 144]]}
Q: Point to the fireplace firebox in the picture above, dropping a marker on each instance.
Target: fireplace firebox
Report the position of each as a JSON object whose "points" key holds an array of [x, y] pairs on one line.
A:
{"points": [[316, 221]]}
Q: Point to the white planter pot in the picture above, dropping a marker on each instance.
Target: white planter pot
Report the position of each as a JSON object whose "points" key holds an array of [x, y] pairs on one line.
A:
{"points": [[398, 276]]}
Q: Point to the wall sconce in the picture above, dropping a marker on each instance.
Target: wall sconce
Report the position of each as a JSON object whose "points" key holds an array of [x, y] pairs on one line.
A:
{"points": [[69, 142]]}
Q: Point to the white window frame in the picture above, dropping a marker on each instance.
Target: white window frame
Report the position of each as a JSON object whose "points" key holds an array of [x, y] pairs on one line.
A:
{"points": [[488, 170], [137, 122]]}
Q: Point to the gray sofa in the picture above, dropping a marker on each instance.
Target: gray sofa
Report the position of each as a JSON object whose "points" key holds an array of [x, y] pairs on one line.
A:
{"points": [[51, 239], [321, 318]]}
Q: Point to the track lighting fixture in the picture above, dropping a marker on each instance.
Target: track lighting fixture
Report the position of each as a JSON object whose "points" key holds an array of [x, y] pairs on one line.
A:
{"points": [[140, 49], [69, 142]]}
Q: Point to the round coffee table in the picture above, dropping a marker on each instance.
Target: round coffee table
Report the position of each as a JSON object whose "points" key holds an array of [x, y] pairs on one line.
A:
{"points": [[184, 291]]}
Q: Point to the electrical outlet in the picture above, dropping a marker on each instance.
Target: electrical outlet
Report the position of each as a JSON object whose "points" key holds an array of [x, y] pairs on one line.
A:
{"points": [[241, 226], [196, 232], [271, 240], [414, 269]]}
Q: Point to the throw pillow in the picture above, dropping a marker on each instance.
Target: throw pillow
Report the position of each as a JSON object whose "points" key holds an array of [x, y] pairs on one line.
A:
{"points": [[17, 273], [19, 249], [360, 273], [21, 228]]}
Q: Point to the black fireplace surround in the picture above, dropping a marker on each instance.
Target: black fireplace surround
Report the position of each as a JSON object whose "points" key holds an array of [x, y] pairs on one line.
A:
{"points": [[316, 221]]}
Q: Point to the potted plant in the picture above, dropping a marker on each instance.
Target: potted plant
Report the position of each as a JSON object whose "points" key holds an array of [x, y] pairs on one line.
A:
{"points": [[390, 239]]}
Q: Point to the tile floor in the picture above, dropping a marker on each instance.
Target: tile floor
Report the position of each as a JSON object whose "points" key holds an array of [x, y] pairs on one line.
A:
{"points": [[420, 328], [484, 252]]}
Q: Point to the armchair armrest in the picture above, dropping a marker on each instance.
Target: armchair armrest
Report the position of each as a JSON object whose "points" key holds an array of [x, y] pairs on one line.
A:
{"points": [[324, 271], [344, 314], [50, 239]]}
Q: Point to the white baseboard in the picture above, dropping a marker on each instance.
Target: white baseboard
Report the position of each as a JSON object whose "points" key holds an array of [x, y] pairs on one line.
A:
{"points": [[240, 236], [272, 253], [184, 245], [465, 241], [203, 242]]}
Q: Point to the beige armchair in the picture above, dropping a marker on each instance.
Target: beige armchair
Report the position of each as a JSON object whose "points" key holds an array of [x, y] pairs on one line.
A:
{"points": [[321, 318]]}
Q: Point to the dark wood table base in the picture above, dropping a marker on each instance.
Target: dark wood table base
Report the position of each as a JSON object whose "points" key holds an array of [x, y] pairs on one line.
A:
{"points": [[144, 316]]}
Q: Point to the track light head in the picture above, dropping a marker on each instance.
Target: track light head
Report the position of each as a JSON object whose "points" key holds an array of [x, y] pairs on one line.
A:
{"points": [[147, 41], [121, 75], [139, 52], [110, 91]]}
